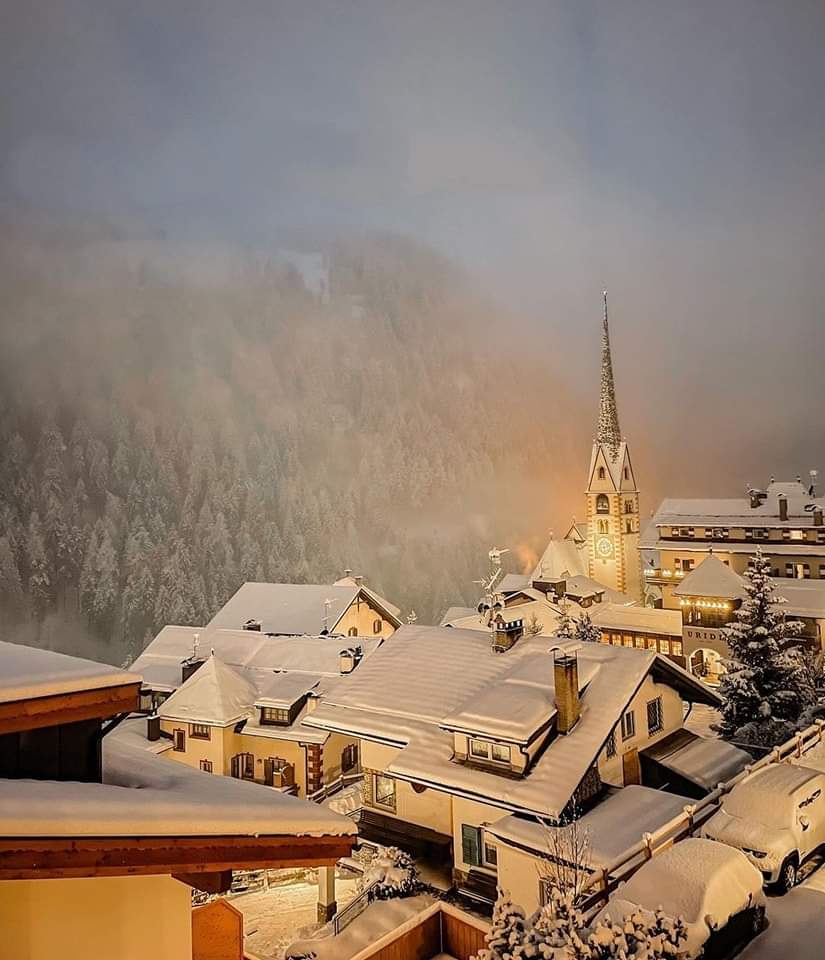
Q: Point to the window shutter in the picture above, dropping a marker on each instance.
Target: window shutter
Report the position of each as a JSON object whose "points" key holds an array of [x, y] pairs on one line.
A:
{"points": [[471, 845]]}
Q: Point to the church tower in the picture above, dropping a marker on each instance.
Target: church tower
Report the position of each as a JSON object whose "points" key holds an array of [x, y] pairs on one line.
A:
{"points": [[612, 495]]}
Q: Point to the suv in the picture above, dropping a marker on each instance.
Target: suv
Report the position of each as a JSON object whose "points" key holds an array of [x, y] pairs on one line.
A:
{"points": [[776, 817]]}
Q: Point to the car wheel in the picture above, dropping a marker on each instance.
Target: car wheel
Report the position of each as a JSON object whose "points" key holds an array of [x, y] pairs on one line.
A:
{"points": [[788, 874]]}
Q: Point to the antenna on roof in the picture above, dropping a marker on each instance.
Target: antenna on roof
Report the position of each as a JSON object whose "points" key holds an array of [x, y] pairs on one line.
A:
{"points": [[196, 639], [327, 605], [812, 488]]}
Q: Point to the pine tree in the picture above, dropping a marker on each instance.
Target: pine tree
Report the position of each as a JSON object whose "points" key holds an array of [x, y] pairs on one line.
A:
{"points": [[11, 587], [40, 580], [507, 933], [765, 687], [565, 627], [586, 630]]}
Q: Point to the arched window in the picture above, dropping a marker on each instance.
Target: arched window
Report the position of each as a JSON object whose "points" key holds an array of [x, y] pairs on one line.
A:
{"points": [[376, 626], [352, 632], [602, 503], [602, 473]]}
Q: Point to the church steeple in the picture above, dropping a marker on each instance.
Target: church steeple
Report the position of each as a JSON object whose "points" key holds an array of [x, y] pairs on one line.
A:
{"points": [[608, 431]]}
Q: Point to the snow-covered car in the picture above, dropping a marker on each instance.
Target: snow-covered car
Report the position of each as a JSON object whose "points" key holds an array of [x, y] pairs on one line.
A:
{"points": [[776, 817], [712, 887]]}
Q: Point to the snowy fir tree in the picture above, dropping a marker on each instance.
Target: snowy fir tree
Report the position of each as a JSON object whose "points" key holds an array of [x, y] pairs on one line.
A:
{"points": [[766, 688], [508, 933], [586, 630], [565, 629], [559, 929]]}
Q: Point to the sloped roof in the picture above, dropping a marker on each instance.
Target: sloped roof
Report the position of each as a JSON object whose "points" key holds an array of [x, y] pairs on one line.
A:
{"points": [[409, 689], [705, 761], [457, 613], [294, 608], [214, 694], [638, 619], [712, 578], [561, 559], [27, 672]]}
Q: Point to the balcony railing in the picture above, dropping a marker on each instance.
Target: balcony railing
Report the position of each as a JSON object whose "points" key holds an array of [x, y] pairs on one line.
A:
{"points": [[667, 576]]}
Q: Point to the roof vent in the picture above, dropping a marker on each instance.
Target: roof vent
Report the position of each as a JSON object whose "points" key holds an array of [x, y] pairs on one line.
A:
{"points": [[253, 625]]}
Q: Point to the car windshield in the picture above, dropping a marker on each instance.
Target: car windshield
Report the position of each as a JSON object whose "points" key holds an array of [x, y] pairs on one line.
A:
{"points": [[760, 805]]}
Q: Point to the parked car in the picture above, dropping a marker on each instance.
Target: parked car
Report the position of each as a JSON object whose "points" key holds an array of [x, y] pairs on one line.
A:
{"points": [[711, 886], [776, 817]]}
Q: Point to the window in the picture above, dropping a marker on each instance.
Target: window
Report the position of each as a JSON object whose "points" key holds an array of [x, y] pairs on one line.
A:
{"points": [[602, 526], [349, 757], [490, 853], [628, 506], [610, 745], [655, 722], [478, 748], [179, 740], [274, 716], [242, 766], [471, 845], [602, 503], [352, 632], [628, 725], [628, 526], [602, 474], [200, 731], [626, 473], [206, 766], [501, 753], [377, 625], [384, 791], [676, 648]]}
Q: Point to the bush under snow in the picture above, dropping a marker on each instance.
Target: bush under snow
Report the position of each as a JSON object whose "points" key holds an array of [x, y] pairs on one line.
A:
{"points": [[394, 874]]}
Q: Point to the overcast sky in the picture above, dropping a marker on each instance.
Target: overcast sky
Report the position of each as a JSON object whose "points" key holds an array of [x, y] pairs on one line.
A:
{"points": [[671, 150]]}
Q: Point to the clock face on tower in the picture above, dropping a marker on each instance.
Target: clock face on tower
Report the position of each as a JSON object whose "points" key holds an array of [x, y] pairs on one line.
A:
{"points": [[604, 548]]}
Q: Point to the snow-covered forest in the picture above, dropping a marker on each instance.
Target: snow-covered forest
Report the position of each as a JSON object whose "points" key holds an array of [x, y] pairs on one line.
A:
{"points": [[174, 424]]}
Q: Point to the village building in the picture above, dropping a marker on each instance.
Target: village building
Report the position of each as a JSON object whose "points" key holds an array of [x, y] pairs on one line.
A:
{"points": [[708, 598], [102, 841], [458, 731], [787, 520], [643, 627]]}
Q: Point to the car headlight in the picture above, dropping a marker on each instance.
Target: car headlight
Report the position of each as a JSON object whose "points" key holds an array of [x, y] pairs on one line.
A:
{"points": [[758, 854]]}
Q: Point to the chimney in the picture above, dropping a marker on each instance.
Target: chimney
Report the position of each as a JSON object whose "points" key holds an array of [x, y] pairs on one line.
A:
{"points": [[818, 518], [347, 572], [783, 507], [566, 679], [253, 625], [506, 633], [349, 659], [153, 728], [359, 580]]}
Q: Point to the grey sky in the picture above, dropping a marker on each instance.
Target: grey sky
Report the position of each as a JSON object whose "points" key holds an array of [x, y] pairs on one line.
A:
{"points": [[672, 150]]}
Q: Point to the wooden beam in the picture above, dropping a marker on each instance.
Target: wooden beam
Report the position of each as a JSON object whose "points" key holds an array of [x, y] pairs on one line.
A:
{"points": [[60, 708], [207, 882], [27, 859]]}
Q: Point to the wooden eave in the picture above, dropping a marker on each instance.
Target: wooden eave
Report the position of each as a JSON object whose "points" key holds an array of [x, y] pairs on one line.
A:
{"points": [[49, 858], [55, 709]]}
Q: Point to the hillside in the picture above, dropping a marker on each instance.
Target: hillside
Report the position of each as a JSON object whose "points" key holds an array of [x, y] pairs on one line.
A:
{"points": [[175, 421]]}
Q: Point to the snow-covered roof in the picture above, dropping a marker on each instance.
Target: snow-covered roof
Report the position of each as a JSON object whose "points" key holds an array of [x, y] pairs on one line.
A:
{"points": [[612, 616], [705, 761], [28, 672], [144, 795], [408, 690], [215, 694], [582, 586], [805, 598], [738, 512], [694, 879], [457, 613], [295, 608], [712, 578], [511, 582], [561, 559], [283, 689], [610, 828]]}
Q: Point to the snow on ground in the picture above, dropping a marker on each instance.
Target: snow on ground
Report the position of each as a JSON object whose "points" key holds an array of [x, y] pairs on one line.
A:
{"points": [[797, 925], [348, 800], [380, 918], [700, 719], [273, 918]]}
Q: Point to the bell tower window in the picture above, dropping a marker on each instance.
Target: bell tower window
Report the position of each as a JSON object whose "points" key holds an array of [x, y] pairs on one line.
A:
{"points": [[602, 503]]}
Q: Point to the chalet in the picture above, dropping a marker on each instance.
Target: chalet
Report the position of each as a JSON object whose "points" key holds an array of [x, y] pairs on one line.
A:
{"points": [[456, 734], [120, 834], [247, 721], [643, 627]]}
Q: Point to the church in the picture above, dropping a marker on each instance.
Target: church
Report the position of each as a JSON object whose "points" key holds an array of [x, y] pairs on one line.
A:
{"points": [[606, 547]]}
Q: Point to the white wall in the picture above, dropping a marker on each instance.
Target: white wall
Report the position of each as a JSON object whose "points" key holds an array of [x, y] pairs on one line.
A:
{"points": [[117, 918], [474, 814], [518, 875]]}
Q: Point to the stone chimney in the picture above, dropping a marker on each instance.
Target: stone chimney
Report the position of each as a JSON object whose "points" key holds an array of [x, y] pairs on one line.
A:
{"points": [[818, 517], [153, 727], [566, 679], [349, 659], [783, 507], [506, 633]]}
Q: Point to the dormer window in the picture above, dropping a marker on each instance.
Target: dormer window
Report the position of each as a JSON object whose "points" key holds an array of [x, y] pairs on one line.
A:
{"points": [[274, 716], [484, 750]]}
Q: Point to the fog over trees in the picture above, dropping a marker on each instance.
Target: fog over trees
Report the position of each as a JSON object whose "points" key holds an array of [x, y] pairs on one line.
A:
{"points": [[176, 421]]}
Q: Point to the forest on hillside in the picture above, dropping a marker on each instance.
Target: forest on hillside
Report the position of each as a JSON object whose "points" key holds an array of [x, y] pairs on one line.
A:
{"points": [[173, 423]]}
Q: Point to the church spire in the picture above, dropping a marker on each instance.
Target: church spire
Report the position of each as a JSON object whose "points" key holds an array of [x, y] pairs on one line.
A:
{"points": [[608, 431]]}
